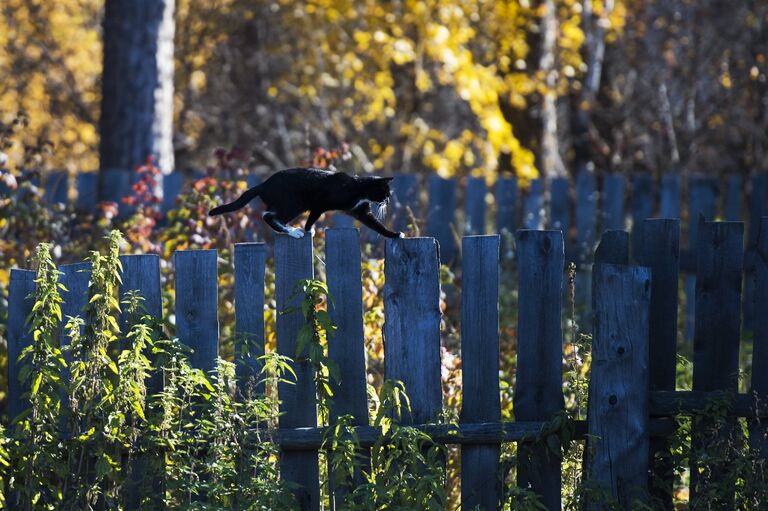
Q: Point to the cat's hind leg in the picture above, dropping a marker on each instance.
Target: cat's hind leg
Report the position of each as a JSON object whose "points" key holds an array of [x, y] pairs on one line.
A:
{"points": [[271, 218]]}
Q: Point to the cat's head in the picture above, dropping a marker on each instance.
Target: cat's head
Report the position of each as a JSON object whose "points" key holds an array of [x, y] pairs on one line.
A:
{"points": [[376, 189]]}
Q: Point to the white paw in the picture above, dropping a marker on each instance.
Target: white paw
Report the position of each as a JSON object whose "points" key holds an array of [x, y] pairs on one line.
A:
{"points": [[295, 232], [401, 235], [312, 231]]}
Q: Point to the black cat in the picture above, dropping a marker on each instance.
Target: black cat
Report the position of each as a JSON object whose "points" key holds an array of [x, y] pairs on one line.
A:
{"points": [[289, 193]]}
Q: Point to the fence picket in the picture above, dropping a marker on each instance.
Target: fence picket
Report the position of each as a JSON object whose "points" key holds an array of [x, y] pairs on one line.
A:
{"points": [[758, 208], [250, 263], [441, 215], [538, 394], [720, 258], [141, 273], [732, 208], [586, 215], [758, 432], [613, 202], [669, 206], [197, 321], [56, 187], [559, 205], [474, 205], [87, 191], [171, 189], [661, 253], [412, 323], [20, 301], [506, 205], [702, 192], [346, 346], [642, 206], [405, 188], [293, 262], [533, 205], [480, 367], [618, 406]]}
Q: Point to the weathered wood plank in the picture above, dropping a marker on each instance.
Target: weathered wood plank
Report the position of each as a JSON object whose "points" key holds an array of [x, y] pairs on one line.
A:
{"points": [[171, 189], [613, 202], [702, 193], [412, 323], [474, 205], [250, 264], [642, 206], [141, 273], [56, 187], [346, 346], [618, 406], [669, 206], [533, 205], [293, 263], [758, 432], [480, 366], [20, 301], [538, 394], [716, 339], [197, 321], [441, 215], [405, 194], [613, 248], [661, 253], [667, 403]]}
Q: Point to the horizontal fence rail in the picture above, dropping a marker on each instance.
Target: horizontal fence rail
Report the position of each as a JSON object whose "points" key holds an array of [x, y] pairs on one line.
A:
{"points": [[632, 394]]}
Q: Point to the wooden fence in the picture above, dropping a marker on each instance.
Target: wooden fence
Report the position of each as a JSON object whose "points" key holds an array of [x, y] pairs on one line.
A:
{"points": [[581, 208], [632, 392]]}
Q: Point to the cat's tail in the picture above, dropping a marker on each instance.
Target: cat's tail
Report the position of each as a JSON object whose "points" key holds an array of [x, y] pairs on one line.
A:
{"points": [[238, 203]]}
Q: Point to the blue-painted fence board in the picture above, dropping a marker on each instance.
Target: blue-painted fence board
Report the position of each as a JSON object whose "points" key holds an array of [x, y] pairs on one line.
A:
{"points": [[702, 197], [758, 433], [474, 205], [293, 263], [441, 215], [172, 184], [480, 366], [197, 320], [57, 187], [613, 202], [87, 191], [538, 394], [642, 206], [506, 205], [733, 193], [669, 206], [559, 205], [758, 208], [586, 215], [250, 265], [20, 301], [533, 205]]}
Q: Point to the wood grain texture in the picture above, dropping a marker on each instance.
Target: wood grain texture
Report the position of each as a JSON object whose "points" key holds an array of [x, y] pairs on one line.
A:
{"points": [[474, 205], [197, 321], [480, 367], [618, 406], [720, 254], [21, 298], [533, 205], [293, 262], [441, 215], [613, 202], [250, 264], [538, 393], [669, 202], [412, 323]]}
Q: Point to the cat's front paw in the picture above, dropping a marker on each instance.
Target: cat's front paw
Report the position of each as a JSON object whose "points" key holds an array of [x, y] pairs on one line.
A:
{"points": [[295, 232], [401, 235]]}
